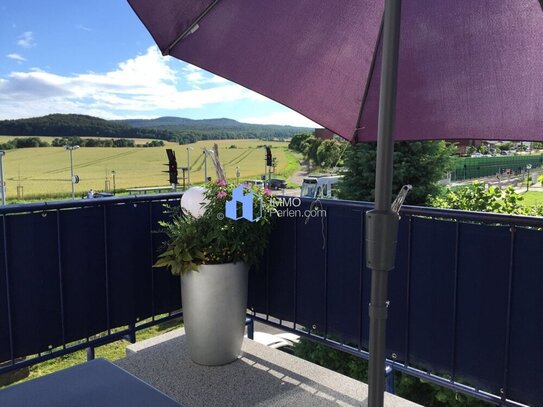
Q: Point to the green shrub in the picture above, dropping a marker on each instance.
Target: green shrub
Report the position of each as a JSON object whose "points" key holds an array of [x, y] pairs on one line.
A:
{"points": [[407, 387]]}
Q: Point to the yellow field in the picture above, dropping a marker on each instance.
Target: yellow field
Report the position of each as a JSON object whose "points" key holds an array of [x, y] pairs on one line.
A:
{"points": [[46, 171]]}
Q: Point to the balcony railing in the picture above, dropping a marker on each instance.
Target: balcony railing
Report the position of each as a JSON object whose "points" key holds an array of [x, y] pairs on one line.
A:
{"points": [[79, 274], [464, 298], [465, 302]]}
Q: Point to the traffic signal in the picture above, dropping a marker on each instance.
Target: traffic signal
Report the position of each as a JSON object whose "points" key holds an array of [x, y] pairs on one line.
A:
{"points": [[268, 156], [172, 166], [172, 170]]}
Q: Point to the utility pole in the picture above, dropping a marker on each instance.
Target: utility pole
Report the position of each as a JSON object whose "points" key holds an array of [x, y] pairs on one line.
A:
{"points": [[2, 154], [113, 173], [205, 167], [206, 152], [71, 149], [188, 164], [528, 168], [185, 170], [19, 186]]}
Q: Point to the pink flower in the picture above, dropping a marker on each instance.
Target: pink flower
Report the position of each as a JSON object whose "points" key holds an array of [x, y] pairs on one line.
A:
{"points": [[221, 182], [221, 194], [267, 191]]}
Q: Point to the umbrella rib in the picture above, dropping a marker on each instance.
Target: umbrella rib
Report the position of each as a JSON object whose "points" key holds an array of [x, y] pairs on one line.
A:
{"points": [[368, 82], [191, 28]]}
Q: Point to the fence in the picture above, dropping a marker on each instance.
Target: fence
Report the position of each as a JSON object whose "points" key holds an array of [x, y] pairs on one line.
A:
{"points": [[79, 274], [477, 167], [465, 297]]}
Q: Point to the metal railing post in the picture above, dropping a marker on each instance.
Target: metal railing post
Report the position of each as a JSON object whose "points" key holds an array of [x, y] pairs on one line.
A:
{"points": [[389, 377], [250, 323], [90, 353]]}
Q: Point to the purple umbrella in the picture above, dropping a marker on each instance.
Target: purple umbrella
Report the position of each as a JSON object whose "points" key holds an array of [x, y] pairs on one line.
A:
{"points": [[465, 69]]}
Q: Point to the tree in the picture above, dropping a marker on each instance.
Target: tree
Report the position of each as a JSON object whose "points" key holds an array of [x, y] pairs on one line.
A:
{"points": [[421, 164], [329, 153], [478, 198], [24, 142], [505, 146], [311, 152], [305, 145], [483, 149], [154, 143], [297, 140]]}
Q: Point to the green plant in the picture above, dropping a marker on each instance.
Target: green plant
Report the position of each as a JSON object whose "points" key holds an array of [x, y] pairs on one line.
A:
{"points": [[478, 198], [297, 141], [293, 164], [213, 238], [329, 153], [419, 163], [432, 395], [408, 387], [292, 185], [332, 359], [110, 351]]}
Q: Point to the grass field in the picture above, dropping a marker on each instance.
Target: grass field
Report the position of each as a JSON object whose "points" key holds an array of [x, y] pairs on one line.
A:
{"points": [[45, 172], [532, 198], [111, 351]]}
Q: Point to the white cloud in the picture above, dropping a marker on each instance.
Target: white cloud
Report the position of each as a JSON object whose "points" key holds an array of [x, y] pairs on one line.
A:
{"points": [[83, 28], [196, 76], [26, 40], [287, 117], [16, 57], [146, 84]]}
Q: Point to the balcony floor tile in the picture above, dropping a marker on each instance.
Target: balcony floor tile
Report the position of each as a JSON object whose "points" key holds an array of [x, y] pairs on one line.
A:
{"points": [[262, 376]]}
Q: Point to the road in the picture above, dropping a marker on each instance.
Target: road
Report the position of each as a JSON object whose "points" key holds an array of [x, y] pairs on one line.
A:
{"points": [[297, 179]]}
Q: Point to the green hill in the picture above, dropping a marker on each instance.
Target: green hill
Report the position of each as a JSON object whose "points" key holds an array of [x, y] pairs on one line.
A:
{"points": [[178, 129], [208, 129], [73, 125], [170, 121]]}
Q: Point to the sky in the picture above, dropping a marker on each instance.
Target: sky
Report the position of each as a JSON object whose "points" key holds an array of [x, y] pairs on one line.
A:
{"points": [[96, 58]]}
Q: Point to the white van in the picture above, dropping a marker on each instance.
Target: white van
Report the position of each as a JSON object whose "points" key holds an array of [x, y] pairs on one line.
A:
{"points": [[258, 182], [319, 186]]}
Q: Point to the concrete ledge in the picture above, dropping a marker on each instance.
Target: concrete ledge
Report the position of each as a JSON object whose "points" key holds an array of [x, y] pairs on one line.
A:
{"points": [[157, 340], [262, 376]]}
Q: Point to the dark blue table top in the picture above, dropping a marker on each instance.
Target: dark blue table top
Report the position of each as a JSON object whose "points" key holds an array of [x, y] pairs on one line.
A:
{"points": [[95, 383]]}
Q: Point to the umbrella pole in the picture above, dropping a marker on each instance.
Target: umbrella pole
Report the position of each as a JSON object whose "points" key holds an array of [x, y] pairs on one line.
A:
{"points": [[382, 222]]}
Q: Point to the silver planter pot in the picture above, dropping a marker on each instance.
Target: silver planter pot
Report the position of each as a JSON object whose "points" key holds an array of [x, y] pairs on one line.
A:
{"points": [[214, 308]]}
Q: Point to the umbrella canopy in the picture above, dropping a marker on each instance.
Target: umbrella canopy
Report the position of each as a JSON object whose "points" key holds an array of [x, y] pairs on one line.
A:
{"points": [[458, 69], [467, 69]]}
